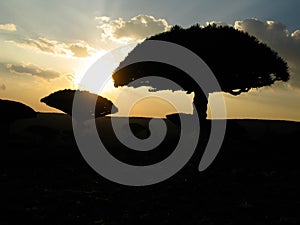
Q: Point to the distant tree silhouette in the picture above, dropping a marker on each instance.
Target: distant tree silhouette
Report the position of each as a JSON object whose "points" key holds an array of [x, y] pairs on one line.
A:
{"points": [[239, 61], [93, 105]]}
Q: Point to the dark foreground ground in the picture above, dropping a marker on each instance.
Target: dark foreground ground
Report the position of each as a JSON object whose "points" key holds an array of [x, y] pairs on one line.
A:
{"points": [[254, 179]]}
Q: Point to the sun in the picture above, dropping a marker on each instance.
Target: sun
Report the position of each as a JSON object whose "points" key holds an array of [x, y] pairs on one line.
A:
{"points": [[85, 65]]}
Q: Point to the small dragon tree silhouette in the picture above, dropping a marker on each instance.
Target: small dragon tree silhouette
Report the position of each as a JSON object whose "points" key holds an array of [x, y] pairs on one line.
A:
{"points": [[93, 105]]}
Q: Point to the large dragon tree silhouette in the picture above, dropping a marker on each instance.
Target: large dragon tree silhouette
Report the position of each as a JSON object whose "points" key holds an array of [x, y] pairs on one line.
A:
{"points": [[93, 105], [238, 60]]}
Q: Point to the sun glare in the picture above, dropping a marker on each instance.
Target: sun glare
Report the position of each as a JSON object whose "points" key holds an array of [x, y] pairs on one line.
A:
{"points": [[96, 74], [85, 67], [149, 106]]}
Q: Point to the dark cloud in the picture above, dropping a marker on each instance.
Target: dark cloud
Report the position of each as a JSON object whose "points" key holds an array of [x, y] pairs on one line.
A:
{"points": [[80, 49], [33, 70]]}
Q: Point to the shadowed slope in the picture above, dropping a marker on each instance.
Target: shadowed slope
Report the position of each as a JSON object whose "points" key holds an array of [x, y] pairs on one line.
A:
{"points": [[12, 110]]}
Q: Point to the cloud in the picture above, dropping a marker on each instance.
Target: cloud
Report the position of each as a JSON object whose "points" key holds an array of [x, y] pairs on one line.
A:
{"points": [[2, 87], [8, 27], [33, 70], [135, 29], [279, 38], [80, 49]]}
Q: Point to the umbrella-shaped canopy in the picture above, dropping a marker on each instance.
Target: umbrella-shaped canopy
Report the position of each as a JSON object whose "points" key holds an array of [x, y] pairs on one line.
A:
{"points": [[239, 62], [92, 105]]}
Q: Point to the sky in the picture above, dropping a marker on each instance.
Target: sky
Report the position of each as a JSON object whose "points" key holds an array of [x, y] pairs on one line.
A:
{"points": [[47, 46]]}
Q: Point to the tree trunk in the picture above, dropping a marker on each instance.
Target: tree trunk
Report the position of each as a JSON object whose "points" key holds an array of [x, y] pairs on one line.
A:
{"points": [[200, 102]]}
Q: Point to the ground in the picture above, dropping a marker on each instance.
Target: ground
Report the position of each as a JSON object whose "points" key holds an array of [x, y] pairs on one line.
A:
{"points": [[254, 179]]}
